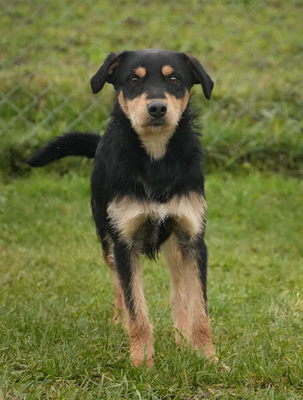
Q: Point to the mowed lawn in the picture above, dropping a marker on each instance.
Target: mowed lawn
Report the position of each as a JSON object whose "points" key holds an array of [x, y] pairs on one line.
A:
{"points": [[56, 335]]}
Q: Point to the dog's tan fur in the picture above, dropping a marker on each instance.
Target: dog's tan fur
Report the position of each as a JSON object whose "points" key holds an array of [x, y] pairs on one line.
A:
{"points": [[140, 71], [108, 257], [153, 138], [173, 257], [140, 330], [198, 319], [187, 300], [127, 215], [167, 70]]}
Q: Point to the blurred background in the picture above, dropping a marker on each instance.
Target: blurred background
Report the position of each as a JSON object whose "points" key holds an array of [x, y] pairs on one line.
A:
{"points": [[253, 50]]}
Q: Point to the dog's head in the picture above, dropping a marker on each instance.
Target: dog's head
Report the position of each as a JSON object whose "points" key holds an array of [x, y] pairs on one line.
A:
{"points": [[152, 86]]}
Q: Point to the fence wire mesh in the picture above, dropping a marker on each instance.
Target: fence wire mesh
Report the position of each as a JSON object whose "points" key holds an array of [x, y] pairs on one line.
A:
{"points": [[252, 49]]}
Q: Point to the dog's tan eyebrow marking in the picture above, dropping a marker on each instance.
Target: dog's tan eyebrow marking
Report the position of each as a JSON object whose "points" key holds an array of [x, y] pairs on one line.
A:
{"points": [[167, 70], [140, 72]]}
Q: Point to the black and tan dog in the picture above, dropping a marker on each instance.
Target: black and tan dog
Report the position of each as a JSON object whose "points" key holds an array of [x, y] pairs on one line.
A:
{"points": [[147, 189]]}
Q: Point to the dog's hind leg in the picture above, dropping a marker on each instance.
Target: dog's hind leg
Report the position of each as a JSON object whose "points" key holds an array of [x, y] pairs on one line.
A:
{"points": [[117, 318], [140, 332], [107, 251], [173, 257]]}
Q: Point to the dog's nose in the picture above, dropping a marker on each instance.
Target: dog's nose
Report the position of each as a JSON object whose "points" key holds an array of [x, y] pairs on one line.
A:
{"points": [[157, 109]]}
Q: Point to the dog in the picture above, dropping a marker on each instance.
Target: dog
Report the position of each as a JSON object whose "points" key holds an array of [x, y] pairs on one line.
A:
{"points": [[147, 189]]}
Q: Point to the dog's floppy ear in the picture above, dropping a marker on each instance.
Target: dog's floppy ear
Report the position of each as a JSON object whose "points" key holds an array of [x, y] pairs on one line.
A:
{"points": [[201, 76], [105, 71]]}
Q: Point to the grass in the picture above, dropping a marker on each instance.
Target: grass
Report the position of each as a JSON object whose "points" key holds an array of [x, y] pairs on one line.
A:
{"points": [[57, 339], [252, 49]]}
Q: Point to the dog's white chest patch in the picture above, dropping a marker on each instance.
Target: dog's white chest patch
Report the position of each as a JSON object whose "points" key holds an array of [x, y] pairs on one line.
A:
{"points": [[127, 215]]}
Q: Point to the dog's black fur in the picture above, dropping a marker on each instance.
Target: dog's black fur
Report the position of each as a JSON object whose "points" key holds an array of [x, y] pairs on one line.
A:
{"points": [[145, 193]]}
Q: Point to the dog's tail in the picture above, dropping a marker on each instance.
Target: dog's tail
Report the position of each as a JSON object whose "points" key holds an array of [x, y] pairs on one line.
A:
{"points": [[69, 144]]}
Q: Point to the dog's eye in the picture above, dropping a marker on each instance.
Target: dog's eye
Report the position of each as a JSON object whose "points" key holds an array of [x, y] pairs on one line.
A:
{"points": [[173, 79], [134, 80]]}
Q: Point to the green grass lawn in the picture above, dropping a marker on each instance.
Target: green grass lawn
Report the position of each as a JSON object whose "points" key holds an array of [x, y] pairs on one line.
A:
{"points": [[56, 336]]}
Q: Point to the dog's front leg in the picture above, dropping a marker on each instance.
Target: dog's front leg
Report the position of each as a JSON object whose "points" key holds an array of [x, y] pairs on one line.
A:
{"points": [[195, 264], [140, 331]]}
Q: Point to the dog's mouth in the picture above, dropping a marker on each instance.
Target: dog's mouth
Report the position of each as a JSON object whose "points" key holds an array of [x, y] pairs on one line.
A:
{"points": [[153, 122]]}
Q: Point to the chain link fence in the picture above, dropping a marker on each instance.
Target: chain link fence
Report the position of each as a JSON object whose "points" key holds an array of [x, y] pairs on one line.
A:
{"points": [[253, 50]]}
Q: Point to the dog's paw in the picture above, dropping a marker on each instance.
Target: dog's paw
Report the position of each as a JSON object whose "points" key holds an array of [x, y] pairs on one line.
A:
{"points": [[142, 356], [139, 362]]}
